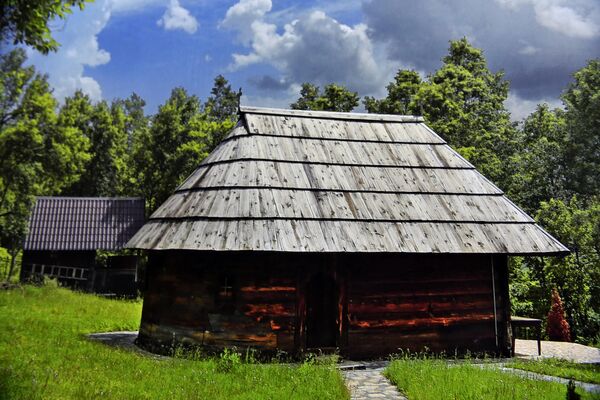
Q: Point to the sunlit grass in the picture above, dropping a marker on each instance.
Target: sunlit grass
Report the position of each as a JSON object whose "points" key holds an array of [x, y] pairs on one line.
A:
{"points": [[44, 354], [564, 369], [435, 379]]}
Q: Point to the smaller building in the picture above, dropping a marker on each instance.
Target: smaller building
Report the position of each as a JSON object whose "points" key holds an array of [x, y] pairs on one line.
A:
{"points": [[65, 237]]}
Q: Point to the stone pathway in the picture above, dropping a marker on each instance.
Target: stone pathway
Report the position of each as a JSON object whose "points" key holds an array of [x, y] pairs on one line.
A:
{"points": [[366, 381], [569, 351]]}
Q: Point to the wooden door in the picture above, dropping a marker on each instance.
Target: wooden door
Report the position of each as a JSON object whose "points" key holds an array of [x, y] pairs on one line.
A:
{"points": [[321, 312]]}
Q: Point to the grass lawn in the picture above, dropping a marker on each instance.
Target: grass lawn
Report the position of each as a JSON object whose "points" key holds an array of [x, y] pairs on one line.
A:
{"points": [[45, 355], [565, 369], [432, 379]]}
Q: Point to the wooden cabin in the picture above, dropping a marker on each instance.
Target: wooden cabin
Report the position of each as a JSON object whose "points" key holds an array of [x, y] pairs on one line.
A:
{"points": [[312, 230], [66, 233]]}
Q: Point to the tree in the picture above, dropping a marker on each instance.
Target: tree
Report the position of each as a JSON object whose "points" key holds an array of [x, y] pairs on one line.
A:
{"points": [[223, 102], [136, 126], [582, 102], [177, 142], [26, 21], [136, 120], [557, 326], [577, 275], [105, 131], [333, 98], [221, 107], [400, 96], [38, 154], [540, 165]]}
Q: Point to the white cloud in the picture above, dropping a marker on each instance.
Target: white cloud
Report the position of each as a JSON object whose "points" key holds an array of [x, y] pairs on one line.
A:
{"points": [[242, 15], [529, 50], [314, 47], [521, 108], [578, 19], [79, 49], [177, 17]]}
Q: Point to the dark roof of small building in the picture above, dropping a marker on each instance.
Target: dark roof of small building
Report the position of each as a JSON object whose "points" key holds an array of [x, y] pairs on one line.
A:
{"points": [[83, 223], [287, 180]]}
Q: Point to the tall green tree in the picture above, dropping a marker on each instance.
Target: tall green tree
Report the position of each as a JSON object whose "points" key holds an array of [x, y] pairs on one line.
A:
{"points": [[221, 107], [540, 165], [27, 21], [135, 119], [582, 102], [136, 124], [105, 131], [177, 142], [39, 155], [332, 98], [400, 97]]}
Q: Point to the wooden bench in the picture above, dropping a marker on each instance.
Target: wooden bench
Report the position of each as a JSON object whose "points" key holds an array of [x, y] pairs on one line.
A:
{"points": [[518, 323]]}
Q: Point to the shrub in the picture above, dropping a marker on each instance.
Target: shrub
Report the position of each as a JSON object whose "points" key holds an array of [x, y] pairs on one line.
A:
{"points": [[557, 326]]}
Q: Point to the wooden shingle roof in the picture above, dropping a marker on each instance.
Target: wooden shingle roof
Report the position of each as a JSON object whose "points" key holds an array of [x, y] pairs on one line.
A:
{"points": [[83, 223], [311, 181]]}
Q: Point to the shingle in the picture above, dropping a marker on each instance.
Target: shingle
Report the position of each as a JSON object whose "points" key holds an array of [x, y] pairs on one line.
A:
{"points": [[83, 223]]}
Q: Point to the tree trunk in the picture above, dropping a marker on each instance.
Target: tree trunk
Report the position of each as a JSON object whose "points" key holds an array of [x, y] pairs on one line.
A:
{"points": [[13, 262]]}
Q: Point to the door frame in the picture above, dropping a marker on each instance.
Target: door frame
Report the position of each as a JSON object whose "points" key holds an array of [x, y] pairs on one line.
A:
{"points": [[326, 264]]}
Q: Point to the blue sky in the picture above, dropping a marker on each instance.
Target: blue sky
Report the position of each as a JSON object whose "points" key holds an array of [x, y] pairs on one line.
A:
{"points": [[116, 47]]}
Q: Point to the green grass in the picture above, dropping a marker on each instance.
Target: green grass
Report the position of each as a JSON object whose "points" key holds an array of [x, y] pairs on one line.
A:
{"points": [[44, 355], [564, 369], [434, 379]]}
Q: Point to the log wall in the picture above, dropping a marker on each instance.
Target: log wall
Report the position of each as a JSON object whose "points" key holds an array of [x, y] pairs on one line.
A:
{"points": [[441, 303], [186, 301], [386, 302]]}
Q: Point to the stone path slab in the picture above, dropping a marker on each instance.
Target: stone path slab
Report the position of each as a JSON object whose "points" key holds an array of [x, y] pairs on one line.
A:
{"points": [[569, 351], [369, 383]]}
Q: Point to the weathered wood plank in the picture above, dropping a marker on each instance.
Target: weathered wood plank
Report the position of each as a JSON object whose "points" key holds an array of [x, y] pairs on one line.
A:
{"points": [[360, 236]]}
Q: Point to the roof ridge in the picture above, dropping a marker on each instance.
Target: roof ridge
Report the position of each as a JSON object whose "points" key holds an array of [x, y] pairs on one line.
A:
{"points": [[331, 114]]}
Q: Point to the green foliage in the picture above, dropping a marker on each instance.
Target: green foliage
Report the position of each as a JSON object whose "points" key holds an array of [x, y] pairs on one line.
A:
{"points": [[400, 96], [575, 276], [179, 138], [221, 108], [105, 130], [26, 21], [562, 368], [45, 355], [39, 154], [333, 98], [557, 165], [582, 102], [524, 288], [433, 379], [540, 166]]}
